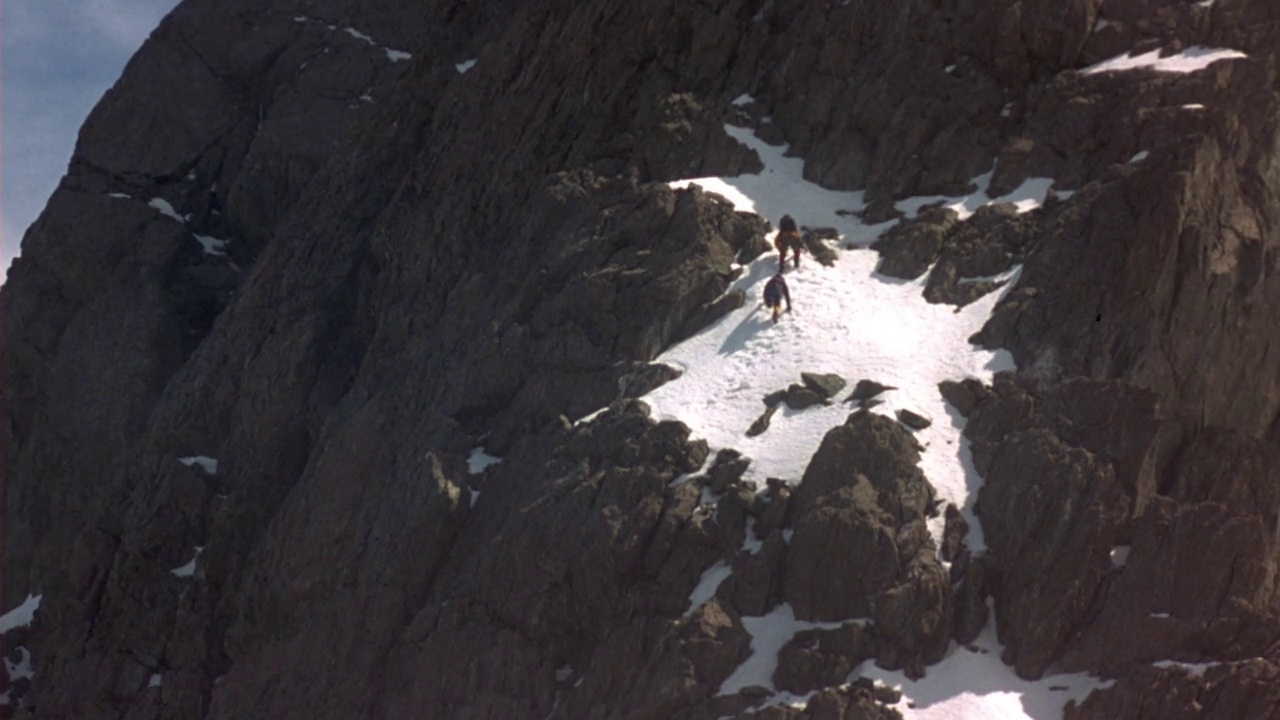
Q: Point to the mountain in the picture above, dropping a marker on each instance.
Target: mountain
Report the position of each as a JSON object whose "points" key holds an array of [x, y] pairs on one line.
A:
{"points": [[383, 360]]}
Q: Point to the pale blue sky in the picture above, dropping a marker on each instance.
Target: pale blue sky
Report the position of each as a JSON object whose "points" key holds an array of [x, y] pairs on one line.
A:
{"points": [[57, 58]]}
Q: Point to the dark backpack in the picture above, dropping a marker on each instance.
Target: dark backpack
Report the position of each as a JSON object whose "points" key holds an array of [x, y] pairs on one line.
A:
{"points": [[787, 224]]}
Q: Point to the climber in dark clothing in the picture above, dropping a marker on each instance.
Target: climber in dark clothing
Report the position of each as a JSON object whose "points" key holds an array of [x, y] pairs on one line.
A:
{"points": [[775, 291], [788, 239]]}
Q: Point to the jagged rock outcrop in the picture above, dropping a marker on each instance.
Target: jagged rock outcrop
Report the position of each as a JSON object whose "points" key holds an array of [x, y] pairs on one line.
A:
{"points": [[298, 239]]}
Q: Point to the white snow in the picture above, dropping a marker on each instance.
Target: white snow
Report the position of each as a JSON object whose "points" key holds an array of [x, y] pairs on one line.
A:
{"points": [[365, 98], [1102, 23], [206, 463], [1007, 110], [1194, 670], [190, 568], [475, 496], [397, 55], [212, 245], [1026, 197], [166, 209], [787, 535], [1139, 157], [769, 633], [465, 65], [743, 99], [479, 460], [121, 196], [1160, 616], [564, 673], [20, 669], [1193, 106], [1120, 555], [750, 543], [848, 320], [1189, 60], [973, 683], [155, 681], [20, 616], [707, 585], [1205, 3], [949, 69], [358, 35]]}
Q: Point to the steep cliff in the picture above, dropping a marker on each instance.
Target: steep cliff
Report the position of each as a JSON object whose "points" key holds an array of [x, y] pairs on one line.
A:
{"points": [[335, 246]]}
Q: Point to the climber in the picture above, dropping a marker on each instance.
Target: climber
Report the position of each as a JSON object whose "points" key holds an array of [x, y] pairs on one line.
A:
{"points": [[788, 239], [775, 291]]}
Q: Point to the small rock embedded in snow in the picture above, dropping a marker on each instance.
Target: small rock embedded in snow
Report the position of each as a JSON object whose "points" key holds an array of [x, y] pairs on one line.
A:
{"points": [[1120, 555], [913, 420], [206, 463], [20, 616], [190, 568], [465, 65]]}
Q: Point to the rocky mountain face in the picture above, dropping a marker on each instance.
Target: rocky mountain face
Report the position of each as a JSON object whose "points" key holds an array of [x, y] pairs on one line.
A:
{"points": [[400, 261]]}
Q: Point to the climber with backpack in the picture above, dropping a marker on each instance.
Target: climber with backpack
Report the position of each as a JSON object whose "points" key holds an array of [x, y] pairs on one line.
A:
{"points": [[775, 291], [788, 239]]}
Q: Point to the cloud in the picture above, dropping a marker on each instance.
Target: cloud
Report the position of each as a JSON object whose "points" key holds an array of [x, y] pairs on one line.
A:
{"points": [[57, 58]]}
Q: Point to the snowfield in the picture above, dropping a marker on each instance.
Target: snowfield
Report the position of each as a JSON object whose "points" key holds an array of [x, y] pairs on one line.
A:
{"points": [[854, 322]]}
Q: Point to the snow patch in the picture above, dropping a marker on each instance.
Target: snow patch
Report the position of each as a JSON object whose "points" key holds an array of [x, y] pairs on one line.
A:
{"points": [[1189, 60], [743, 99], [465, 65], [1193, 106], [564, 673], [212, 245], [359, 35], [1194, 670], [121, 196], [479, 460], [972, 682], [165, 209], [949, 69], [22, 668], [155, 681], [1102, 23], [1120, 555], [707, 585], [206, 463], [1139, 157], [769, 633], [475, 496], [1007, 110], [20, 616], [397, 55], [190, 568], [750, 543], [1160, 616]]}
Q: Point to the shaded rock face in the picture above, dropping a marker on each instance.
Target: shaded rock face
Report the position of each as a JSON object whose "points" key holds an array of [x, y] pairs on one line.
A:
{"points": [[1115, 549], [337, 269], [864, 493]]}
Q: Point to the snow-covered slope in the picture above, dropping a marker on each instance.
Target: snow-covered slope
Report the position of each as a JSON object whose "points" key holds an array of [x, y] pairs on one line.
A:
{"points": [[852, 321]]}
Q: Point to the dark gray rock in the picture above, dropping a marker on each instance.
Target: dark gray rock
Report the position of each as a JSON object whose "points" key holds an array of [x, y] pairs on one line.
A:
{"points": [[909, 248], [866, 389], [762, 423], [825, 384], [913, 420]]}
